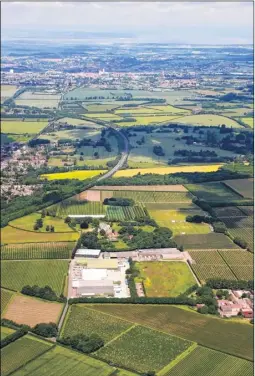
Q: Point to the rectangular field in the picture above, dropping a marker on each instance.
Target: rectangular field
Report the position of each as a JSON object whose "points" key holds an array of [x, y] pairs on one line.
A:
{"points": [[30, 311], [166, 170], [5, 298], [149, 196], [221, 335], [22, 127], [213, 192], [62, 361], [11, 235], [205, 241], [243, 187], [247, 210], [81, 319], [17, 274], [80, 175], [240, 262], [122, 213], [162, 279], [20, 352], [27, 251], [203, 361], [143, 349], [66, 208]]}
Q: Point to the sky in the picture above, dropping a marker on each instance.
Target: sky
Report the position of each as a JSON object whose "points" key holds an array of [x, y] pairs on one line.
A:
{"points": [[173, 22]]}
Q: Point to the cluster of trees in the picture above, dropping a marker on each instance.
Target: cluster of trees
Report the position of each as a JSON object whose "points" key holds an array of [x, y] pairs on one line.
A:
{"points": [[190, 153], [118, 201], [83, 343], [218, 226], [206, 296], [181, 300], [158, 238], [38, 224], [48, 330], [131, 273], [42, 292], [158, 150], [144, 221], [228, 284], [241, 242], [91, 240]]}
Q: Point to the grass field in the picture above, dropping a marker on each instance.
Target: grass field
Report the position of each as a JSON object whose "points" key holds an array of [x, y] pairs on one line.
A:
{"points": [[26, 251], [243, 187], [73, 121], [83, 320], [60, 161], [16, 274], [208, 120], [213, 192], [149, 119], [30, 311], [22, 127], [164, 278], [62, 361], [205, 241], [167, 170], [248, 121], [205, 330], [86, 208], [5, 332], [80, 175], [5, 298], [20, 352], [143, 349], [104, 116], [203, 361], [27, 223], [11, 235], [7, 91], [40, 103]]}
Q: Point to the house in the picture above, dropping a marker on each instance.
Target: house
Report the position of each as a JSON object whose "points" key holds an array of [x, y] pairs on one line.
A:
{"points": [[87, 253]]}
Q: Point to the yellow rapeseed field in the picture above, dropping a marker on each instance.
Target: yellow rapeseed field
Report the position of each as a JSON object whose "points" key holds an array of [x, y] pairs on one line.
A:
{"points": [[79, 174], [167, 170]]}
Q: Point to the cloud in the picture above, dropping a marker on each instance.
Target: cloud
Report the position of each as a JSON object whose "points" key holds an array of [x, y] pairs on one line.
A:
{"points": [[187, 21]]}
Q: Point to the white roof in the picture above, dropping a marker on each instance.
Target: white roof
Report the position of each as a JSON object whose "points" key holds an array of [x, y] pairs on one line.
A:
{"points": [[85, 252], [94, 274], [86, 215]]}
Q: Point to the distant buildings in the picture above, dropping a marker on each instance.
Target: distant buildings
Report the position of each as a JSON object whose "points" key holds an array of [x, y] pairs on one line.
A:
{"points": [[236, 305]]}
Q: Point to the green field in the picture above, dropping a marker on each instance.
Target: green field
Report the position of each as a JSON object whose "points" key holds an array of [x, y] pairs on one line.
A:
{"points": [[5, 332], [213, 192], [240, 262], [162, 279], [26, 251], [143, 349], [243, 187], [205, 241], [5, 298], [81, 319], [11, 235], [16, 274], [208, 331], [20, 352], [247, 210], [66, 208], [61, 361], [79, 122], [202, 361], [142, 196], [22, 127], [248, 121], [27, 223], [122, 213], [208, 120]]}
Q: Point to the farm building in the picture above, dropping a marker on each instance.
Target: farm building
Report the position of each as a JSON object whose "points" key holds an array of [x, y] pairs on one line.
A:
{"points": [[149, 254], [87, 253], [94, 287]]}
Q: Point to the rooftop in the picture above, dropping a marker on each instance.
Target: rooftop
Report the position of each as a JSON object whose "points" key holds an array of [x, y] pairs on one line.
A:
{"points": [[86, 252]]}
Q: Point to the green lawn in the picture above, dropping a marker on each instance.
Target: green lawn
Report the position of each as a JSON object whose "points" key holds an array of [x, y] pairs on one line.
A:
{"points": [[21, 127], [165, 278], [27, 223]]}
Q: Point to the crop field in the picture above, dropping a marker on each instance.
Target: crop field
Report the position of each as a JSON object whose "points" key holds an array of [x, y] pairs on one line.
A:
{"points": [[40, 103], [213, 192], [247, 210], [27, 251], [156, 349], [169, 109], [208, 120], [246, 233], [100, 107], [22, 127], [31, 311], [229, 211], [184, 207], [238, 222], [122, 213], [243, 187], [205, 330], [143, 196], [61, 361], [81, 319], [210, 265], [20, 352], [167, 170], [79, 122], [115, 213], [80, 175], [248, 121], [149, 119], [205, 241], [5, 332], [241, 263], [154, 188], [203, 361], [6, 296], [27, 223], [162, 279], [11, 235], [86, 208], [17, 274], [106, 116]]}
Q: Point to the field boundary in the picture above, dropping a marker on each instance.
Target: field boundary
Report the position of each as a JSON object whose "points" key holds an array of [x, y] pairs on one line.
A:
{"points": [[177, 360], [121, 334]]}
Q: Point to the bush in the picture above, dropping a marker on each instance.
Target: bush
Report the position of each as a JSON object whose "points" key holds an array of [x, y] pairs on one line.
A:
{"points": [[46, 330], [83, 343], [241, 242], [42, 292]]}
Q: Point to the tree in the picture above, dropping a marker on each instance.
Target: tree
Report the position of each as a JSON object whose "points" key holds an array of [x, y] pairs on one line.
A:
{"points": [[67, 220], [52, 228], [47, 228], [241, 242], [203, 310], [102, 232], [46, 330]]}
